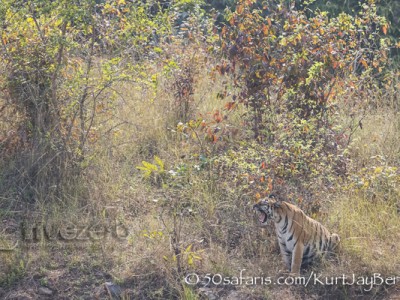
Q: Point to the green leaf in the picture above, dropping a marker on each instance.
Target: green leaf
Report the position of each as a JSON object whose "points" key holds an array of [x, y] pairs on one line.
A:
{"points": [[190, 260], [146, 171], [149, 166], [159, 162], [188, 249]]}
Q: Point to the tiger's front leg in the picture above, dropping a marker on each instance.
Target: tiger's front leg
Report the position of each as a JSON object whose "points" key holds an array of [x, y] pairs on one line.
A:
{"points": [[297, 258], [286, 254]]}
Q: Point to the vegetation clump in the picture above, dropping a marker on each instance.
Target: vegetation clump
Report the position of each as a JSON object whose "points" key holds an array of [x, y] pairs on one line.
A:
{"points": [[135, 136]]}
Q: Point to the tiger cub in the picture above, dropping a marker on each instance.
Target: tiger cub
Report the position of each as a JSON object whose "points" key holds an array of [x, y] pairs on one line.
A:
{"points": [[300, 238]]}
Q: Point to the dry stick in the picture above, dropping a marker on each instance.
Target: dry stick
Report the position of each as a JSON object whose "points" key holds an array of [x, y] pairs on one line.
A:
{"points": [[58, 60], [85, 93], [94, 109], [174, 237], [71, 125], [37, 24]]}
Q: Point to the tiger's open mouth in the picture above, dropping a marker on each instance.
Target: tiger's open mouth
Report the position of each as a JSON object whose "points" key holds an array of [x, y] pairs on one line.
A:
{"points": [[262, 216]]}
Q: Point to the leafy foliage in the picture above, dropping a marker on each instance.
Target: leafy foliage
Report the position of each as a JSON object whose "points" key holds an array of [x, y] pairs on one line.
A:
{"points": [[281, 59], [291, 70], [49, 53], [113, 109], [387, 8], [155, 172]]}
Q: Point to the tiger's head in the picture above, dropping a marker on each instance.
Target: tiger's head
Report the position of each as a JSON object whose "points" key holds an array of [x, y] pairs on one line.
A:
{"points": [[265, 209]]}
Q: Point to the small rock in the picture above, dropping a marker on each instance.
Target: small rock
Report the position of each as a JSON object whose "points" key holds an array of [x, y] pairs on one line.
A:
{"points": [[208, 293], [45, 291], [114, 291]]}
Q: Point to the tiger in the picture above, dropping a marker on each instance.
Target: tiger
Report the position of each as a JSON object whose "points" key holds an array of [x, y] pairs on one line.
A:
{"points": [[301, 239]]}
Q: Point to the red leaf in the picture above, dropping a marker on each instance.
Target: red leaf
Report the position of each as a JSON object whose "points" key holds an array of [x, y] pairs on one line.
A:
{"points": [[265, 29], [217, 116], [270, 187], [230, 105]]}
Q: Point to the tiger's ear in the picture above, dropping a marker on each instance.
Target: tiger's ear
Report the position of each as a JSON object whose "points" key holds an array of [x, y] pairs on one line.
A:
{"points": [[277, 202]]}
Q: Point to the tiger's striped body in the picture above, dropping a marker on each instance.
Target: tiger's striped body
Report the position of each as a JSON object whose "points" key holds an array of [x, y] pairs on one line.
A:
{"points": [[301, 239]]}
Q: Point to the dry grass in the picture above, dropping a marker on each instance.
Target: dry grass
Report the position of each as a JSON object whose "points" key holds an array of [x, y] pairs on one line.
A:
{"points": [[379, 136], [366, 213], [219, 233], [369, 233]]}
